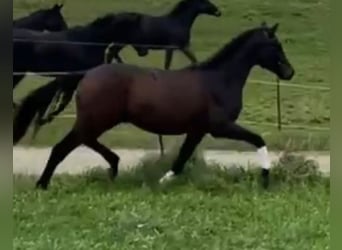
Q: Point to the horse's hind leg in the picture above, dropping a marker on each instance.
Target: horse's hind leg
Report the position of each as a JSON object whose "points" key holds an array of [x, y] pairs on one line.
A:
{"points": [[161, 145], [107, 154], [58, 154], [188, 147], [190, 55]]}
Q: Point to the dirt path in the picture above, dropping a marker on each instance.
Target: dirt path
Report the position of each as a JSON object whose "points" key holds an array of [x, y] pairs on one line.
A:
{"points": [[32, 160]]}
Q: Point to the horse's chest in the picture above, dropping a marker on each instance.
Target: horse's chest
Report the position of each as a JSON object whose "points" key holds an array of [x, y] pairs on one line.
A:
{"points": [[226, 108]]}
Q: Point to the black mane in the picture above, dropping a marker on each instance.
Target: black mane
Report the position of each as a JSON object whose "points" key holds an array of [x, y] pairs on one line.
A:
{"points": [[228, 50], [104, 20], [179, 8], [119, 17]]}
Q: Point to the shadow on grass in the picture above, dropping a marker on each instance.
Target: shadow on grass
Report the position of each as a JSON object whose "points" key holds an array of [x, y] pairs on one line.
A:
{"points": [[291, 171]]}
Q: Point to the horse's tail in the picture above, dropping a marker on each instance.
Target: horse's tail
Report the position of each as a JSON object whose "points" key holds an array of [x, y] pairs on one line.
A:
{"points": [[36, 104]]}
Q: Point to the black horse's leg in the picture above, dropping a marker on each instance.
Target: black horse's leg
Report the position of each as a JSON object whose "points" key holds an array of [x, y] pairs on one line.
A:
{"points": [[188, 147], [161, 145], [58, 154], [236, 132], [168, 61], [168, 58], [107, 154], [113, 52], [188, 53]]}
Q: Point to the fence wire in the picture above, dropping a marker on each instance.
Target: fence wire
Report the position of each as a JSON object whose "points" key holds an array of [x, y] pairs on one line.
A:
{"points": [[154, 46]]}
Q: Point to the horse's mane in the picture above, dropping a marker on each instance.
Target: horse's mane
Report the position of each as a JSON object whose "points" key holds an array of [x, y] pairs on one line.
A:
{"points": [[228, 50], [109, 18], [179, 7]]}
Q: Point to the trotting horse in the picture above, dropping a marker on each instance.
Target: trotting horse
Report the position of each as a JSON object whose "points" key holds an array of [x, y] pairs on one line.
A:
{"points": [[45, 19], [201, 99], [172, 30]]}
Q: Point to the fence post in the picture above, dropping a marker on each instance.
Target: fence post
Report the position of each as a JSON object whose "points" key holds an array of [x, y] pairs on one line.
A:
{"points": [[279, 105]]}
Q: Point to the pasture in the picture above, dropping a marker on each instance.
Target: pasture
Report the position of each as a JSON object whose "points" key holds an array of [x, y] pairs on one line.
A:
{"points": [[207, 207], [303, 30]]}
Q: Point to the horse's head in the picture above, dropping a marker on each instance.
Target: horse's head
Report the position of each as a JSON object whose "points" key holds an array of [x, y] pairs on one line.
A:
{"points": [[270, 54], [204, 7], [53, 18]]}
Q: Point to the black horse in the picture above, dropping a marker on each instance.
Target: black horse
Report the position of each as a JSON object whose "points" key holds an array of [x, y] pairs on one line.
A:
{"points": [[172, 31], [41, 52], [201, 99], [43, 20]]}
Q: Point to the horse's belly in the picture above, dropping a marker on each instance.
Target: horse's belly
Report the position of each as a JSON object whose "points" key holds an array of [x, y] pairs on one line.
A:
{"points": [[167, 118]]}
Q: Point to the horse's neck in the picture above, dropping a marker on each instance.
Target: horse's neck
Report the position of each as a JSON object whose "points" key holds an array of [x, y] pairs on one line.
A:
{"points": [[29, 23], [186, 18], [236, 70]]}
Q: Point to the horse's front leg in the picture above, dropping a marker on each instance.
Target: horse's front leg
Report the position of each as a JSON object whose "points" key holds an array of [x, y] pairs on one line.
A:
{"points": [[189, 54], [234, 131], [112, 52]]}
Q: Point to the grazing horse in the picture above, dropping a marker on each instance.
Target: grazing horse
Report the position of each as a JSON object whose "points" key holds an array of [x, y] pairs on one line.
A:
{"points": [[45, 19], [200, 99]]}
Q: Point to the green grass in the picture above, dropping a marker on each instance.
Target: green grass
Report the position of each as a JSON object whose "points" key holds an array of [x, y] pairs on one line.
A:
{"points": [[206, 208], [302, 30]]}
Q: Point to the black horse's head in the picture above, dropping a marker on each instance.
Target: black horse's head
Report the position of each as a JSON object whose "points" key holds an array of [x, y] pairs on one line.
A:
{"points": [[53, 18], [201, 7], [270, 54]]}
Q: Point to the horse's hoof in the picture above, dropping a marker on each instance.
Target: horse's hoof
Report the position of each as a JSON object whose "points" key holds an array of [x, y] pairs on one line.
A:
{"points": [[169, 176], [41, 185], [265, 178], [112, 174]]}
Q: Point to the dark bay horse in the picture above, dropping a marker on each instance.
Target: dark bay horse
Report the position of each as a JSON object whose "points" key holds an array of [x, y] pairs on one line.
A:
{"points": [[200, 99], [50, 19], [173, 30]]}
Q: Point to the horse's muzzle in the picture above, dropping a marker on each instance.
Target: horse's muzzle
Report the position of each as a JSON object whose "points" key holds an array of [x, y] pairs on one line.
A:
{"points": [[287, 72], [218, 13]]}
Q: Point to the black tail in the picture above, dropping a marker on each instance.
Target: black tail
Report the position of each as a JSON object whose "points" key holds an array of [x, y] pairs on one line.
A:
{"points": [[35, 105]]}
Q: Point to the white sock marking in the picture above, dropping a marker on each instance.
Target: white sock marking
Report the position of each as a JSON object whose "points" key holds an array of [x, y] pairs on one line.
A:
{"points": [[167, 177], [264, 159]]}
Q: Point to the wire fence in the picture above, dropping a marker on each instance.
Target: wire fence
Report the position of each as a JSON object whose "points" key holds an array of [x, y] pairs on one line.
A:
{"points": [[153, 46], [266, 124], [97, 44]]}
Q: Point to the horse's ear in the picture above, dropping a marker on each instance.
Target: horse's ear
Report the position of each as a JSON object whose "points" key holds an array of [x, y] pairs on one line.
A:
{"points": [[58, 6], [274, 29]]}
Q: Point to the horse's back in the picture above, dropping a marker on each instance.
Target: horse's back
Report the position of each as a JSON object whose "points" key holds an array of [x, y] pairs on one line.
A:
{"points": [[135, 93]]}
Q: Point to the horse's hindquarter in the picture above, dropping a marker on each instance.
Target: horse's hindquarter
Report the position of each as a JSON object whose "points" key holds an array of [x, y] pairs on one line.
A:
{"points": [[167, 102]]}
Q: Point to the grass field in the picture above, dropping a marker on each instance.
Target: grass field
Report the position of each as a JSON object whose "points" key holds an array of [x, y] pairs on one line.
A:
{"points": [[207, 208], [302, 30]]}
